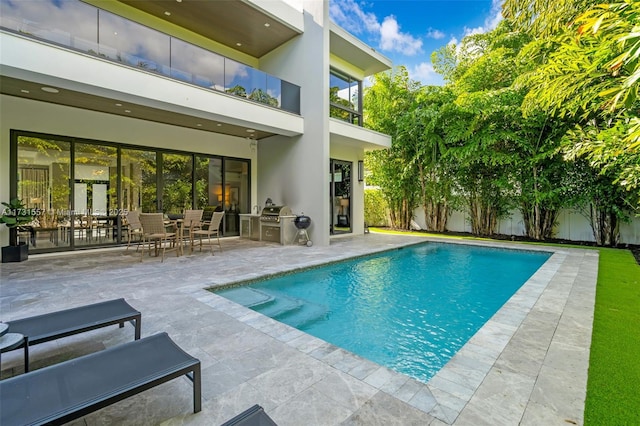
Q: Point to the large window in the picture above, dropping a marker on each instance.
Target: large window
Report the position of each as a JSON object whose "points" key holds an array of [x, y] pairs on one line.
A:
{"points": [[43, 166], [345, 98], [82, 189]]}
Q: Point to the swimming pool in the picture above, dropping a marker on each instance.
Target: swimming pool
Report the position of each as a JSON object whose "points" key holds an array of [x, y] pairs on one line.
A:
{"points": [[410, 309]]}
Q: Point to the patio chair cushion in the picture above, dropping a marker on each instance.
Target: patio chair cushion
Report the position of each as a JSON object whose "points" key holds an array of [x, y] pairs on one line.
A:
{"points": [[72, 389]]}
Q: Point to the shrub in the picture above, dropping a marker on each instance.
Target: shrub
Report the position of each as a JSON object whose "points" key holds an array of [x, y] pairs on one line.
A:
{"points": [[375, 208]]}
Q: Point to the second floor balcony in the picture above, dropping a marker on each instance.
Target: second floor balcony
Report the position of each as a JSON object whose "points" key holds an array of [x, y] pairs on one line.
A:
{"points": [[88, 29]]}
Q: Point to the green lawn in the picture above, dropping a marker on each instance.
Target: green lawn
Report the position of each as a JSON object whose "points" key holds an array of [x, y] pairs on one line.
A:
{"points": [[613, 388]]}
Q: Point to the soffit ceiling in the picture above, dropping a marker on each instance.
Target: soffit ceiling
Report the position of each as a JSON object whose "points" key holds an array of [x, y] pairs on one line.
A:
{"points": [[30, 90], [227, 22]]}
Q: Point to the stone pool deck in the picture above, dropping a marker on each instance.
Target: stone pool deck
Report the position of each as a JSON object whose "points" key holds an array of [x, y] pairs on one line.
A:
{"points": [[528, 365]]}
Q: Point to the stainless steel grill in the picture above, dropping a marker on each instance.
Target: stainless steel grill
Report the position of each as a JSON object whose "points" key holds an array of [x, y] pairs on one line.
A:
{"points": [[272, 214], [276, 223]]}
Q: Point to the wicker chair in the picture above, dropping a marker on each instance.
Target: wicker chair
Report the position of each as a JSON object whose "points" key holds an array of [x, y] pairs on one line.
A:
{"points": [[210, 229], [134, 227], [155, 232], [192, 222]]}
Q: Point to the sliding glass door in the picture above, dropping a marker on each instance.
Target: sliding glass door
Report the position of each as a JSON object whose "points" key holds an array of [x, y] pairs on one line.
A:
{"points": [[340, 196], [82, 189]]}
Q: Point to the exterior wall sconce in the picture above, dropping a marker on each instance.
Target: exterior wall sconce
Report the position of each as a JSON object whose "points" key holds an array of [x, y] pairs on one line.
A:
{"points": [[360, 170]]}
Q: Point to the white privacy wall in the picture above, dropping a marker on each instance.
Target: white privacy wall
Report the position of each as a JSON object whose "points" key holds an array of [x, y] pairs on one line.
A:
{"points": [[571, 226]]}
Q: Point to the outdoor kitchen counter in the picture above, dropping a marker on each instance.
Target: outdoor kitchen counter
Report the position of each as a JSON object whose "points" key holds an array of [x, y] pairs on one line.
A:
{"points": [[250, 226], [283, 231]]}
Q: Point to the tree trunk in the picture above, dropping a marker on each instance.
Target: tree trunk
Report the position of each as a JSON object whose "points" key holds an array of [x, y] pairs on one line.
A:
{"points": [[538, 221]]}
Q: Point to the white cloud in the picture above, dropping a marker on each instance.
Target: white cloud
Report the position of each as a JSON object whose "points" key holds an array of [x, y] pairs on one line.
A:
{"points": [[425, 74], [453, 41], [350, 15], [435, 34], [490, 22], [391, 38]]}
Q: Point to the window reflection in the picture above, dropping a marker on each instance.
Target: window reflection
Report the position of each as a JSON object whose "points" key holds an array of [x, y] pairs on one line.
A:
{"points": [[196, 65], [344, 98], [133, 44], [138, 188], [176, 183], [66, 22], [43, 185], [78, 25]]}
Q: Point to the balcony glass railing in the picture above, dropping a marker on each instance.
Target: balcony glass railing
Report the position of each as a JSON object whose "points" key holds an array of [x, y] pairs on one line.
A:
{"points": [[80, 26]]}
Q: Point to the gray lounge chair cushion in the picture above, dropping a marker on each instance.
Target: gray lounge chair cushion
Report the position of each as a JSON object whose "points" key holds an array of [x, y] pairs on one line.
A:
{"points": [[254, 416], [63, 392]]}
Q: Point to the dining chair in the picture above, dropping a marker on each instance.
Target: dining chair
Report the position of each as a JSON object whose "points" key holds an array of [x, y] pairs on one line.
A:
{"points": [[210, 229], [134, 227], [155, 232], [191, 222]]}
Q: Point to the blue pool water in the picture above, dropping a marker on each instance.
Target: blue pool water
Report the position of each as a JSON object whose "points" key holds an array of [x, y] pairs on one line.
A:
{"points": [[410, 309]]}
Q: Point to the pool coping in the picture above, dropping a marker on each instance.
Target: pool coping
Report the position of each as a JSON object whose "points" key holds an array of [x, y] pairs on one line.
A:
{"points": [[541, 335]]}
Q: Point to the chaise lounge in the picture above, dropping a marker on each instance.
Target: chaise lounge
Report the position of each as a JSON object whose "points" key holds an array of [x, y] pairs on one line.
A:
{"points": [[63, 392], [55, 325]]}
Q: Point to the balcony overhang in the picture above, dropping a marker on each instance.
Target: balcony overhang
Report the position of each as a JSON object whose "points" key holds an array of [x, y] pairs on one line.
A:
{"points": [[84, 81], [343, 133], [355, 52], [254, 27]]}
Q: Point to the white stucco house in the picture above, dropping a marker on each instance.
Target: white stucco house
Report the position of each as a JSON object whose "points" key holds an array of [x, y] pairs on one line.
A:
{"points": [[161, 106]]}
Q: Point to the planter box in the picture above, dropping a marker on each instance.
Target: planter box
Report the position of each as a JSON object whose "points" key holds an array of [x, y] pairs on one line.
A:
{"points": [[17, 253]]}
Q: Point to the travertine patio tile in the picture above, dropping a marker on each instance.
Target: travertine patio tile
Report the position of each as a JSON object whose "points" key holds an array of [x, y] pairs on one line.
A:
{"points": [[345, 389], [396, 381], [456, 388], [560, 392], [408, 390], [382, 410], [309, 407], [248, 358], [423, 400]]}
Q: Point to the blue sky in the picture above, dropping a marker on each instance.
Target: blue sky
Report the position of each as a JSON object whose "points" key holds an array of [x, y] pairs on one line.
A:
{"points": [[408, 31]]}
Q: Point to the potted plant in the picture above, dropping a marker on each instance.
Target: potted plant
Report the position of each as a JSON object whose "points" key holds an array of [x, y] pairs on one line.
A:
{"points": [[15, 215]]}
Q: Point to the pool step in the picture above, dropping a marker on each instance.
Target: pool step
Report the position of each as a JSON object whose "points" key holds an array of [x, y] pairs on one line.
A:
{"points": [[278, 305], [304, 316], [289, 310], [246, 296]]}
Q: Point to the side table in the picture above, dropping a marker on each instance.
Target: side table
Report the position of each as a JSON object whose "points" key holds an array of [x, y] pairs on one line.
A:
{"points": [[11, 341]]}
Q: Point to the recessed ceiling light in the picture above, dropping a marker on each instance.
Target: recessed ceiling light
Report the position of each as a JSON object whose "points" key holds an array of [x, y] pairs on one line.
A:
{"points": [[218, 124], [199, 125], [250, 130], [50, 89], [24, 91], [127, 110], [118, 105], [238, 44], [179, 1], [167, 13], [266, 24]]}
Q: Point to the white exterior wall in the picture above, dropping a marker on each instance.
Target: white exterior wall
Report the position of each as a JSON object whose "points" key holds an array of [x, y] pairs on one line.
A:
{"points": [[295, 171], [40, 117], [571, 226]]}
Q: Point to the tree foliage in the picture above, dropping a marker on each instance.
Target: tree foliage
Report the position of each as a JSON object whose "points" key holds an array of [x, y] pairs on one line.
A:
{"points": [[391, 96], [549, 96]]}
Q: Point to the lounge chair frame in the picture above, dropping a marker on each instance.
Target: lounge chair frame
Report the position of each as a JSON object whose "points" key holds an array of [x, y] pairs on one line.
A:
{"points": [[63, 392], [55, 325]]}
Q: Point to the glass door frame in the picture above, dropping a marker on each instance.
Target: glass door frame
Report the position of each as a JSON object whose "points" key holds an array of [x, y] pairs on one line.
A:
{"points": [[340, 206]]}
